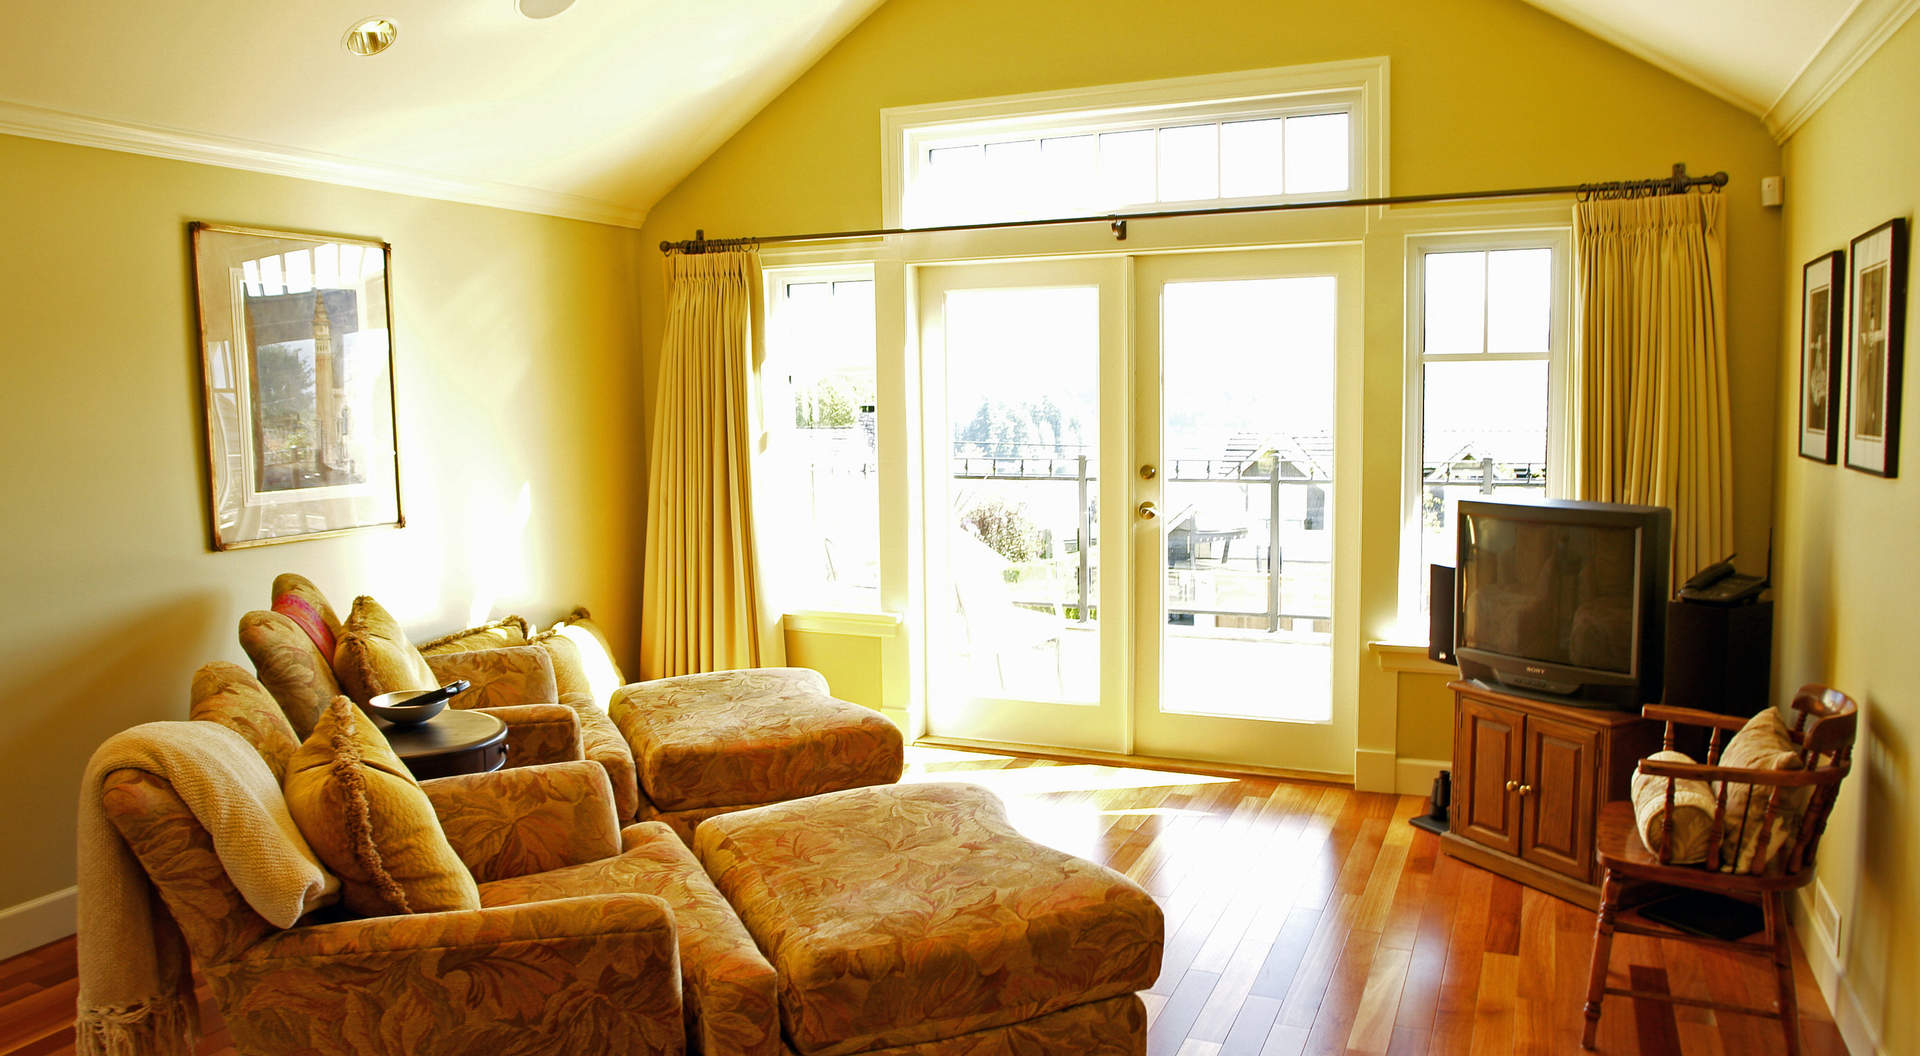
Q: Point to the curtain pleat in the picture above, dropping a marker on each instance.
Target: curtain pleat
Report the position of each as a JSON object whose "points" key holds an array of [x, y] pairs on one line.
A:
{"points": [[701, 608], [1654, 422]]}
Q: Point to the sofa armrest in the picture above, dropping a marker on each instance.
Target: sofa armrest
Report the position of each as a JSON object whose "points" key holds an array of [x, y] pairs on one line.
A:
{"points": [[597, 973], [519, 674], [539, 733], [602, 742], [527, 820]]}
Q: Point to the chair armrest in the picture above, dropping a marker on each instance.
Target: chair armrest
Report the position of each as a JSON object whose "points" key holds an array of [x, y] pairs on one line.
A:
{"points": [[602, 742], [519, 674], [539, 733], [596, 973], [1743, 775], [527, 820], [1692, 717]]}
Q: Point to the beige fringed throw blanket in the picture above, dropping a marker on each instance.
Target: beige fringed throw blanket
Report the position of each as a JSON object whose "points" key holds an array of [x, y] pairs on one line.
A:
{"points": [[136, 992]]}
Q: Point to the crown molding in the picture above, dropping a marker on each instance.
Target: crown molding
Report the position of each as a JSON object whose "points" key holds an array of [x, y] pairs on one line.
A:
{"points": [[1870, 24], [34, 122]]}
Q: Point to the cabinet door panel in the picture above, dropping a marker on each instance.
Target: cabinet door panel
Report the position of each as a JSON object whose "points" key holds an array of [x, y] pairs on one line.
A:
{"points": [[1556, 814], [1488, 749]]}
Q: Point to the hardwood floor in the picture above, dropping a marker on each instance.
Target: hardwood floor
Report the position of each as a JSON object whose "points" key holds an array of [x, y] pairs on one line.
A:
{"points": [[1301, 918]]}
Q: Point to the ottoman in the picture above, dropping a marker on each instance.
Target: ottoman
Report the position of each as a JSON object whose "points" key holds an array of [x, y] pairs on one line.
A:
{"points": [[914, 919], [707, 744]]}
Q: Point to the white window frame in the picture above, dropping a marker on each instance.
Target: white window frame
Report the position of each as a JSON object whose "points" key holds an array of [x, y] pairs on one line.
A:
{"points": [[1357, 88], [1560, 409], [788, 593]]}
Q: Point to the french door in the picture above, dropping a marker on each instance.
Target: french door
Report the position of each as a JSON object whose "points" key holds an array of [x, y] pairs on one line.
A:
{"points": [[1133, 494]]}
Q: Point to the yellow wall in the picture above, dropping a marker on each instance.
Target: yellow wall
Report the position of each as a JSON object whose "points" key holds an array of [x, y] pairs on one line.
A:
{"points": [[1485, 93], [1847, 569], [513, 339]]}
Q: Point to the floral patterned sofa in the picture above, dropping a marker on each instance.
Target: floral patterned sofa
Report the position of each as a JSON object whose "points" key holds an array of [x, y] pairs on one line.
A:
{"points": [[677, 750], [893, 921]]}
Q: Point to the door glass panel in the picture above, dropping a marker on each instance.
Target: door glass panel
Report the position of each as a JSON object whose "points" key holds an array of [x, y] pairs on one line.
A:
{"points": [[1023, 410], [1247, 515]]}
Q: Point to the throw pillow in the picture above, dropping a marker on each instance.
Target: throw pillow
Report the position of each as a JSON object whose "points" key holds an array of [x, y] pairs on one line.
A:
{"points": [[500, 634], [569, 671], [596, 655], [370, 822], [374, 656], [299, 594], [226, 694], [1693, 806], [298, 675], [1762, 744]]}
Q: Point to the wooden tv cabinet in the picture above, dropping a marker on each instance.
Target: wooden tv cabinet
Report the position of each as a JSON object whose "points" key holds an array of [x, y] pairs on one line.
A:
{"points": [[1529, 778]]}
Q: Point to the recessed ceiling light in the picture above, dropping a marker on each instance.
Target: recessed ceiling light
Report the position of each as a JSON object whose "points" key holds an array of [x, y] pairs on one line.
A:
{"points": [[542, 8], [370, 36]]}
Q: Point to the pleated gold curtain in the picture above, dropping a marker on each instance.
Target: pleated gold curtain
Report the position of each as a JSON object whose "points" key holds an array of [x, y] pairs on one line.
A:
{"points": [[701, 605], [1654, 420]]}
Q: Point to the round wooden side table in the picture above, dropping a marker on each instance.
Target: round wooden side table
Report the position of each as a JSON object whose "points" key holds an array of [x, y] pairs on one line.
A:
{"points": [[452, 742]]}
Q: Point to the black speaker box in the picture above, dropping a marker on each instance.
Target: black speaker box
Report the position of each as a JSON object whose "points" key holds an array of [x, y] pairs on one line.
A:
{"points": [[1719, 657], [1440, 613]]}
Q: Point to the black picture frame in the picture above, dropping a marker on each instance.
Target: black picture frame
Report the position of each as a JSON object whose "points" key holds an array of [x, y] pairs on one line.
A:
{"points": [[1823, 340], [1876, 347]]}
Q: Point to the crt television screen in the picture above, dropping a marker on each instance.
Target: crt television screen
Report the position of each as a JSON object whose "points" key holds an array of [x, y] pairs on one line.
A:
{"points": [[1560, 593]]}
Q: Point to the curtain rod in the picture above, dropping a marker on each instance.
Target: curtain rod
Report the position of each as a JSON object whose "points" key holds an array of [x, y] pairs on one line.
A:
{"points": [[1678, 183]]}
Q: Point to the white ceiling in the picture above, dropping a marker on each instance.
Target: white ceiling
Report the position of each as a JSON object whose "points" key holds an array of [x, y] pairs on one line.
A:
{"points": [[598, 112], [1745, 51], [613, 101]]}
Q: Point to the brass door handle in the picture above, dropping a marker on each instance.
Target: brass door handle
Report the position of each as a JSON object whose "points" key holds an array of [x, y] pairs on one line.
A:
{"points": [[1148, 511], [1513, 786], [1525, 790]]}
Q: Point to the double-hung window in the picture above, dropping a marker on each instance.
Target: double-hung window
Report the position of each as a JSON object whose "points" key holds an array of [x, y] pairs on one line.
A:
{"points": [[1487, 386], [818, 478]]}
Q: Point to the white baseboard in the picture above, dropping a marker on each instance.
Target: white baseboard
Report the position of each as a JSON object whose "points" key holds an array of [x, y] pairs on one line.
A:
{"points": [[1862, 1038], [37, 922], [1414, 777]]}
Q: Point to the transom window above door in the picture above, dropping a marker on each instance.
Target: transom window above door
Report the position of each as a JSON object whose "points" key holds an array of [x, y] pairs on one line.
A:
{"points": [[1299, 133]]}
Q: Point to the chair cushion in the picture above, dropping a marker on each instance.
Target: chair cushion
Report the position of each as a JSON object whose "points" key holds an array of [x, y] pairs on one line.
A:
{"points": [[907, 914], [292, 668], [226, 694], [732, 738], [1762, 744], [502, 633], [728, 982], [374, 655], [1693, 807], [368, 820], [596, 655]]}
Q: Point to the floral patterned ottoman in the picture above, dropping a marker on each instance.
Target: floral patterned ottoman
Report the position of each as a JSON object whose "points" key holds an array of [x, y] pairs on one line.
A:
{"points": [[914, 919]]}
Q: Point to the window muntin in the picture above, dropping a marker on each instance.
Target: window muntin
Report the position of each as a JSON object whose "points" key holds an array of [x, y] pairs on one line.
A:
{"points": [[980, 174], [820, 469], [1486, 408]]}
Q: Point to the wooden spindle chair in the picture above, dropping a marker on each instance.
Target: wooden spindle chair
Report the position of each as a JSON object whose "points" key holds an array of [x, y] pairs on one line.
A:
{"points": [[1823, 732]]}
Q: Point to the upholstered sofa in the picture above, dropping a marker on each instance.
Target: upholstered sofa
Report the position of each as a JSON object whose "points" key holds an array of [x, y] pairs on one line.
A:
{"points": [[677, 750], [884, 920]]}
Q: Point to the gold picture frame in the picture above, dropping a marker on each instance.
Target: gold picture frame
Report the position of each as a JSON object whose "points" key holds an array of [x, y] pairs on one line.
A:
{"points": [[296, 356]]}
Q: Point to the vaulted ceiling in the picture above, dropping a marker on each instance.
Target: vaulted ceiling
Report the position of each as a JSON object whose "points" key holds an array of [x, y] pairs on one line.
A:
{"points": [[597, 112]]}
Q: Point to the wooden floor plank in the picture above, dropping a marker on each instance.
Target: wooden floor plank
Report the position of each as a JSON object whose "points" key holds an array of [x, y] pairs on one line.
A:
{"points": [[1301, 918]]}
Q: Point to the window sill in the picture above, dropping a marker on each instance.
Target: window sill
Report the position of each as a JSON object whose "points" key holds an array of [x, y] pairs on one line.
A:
{"points": [[1408, 658], [851, 624]]}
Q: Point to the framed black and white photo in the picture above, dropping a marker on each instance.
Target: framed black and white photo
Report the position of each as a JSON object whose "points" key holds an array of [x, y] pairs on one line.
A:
{"points": [[1822, 338], [298, 366], [1878, 319]]}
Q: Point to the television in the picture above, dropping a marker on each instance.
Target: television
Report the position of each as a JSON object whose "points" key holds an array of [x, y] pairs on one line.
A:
{"points": [[1561, 598]]}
